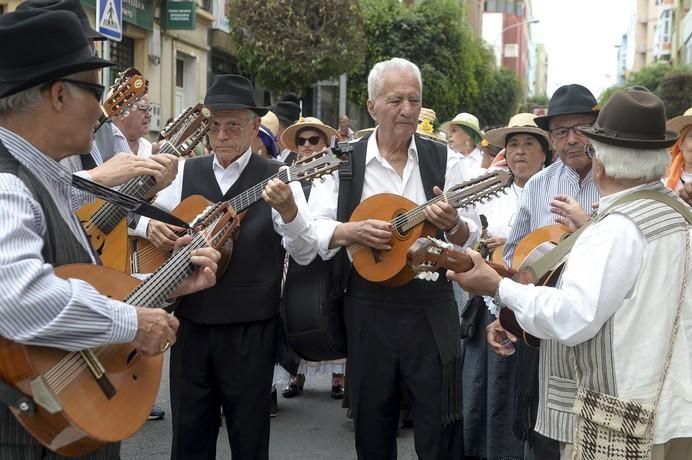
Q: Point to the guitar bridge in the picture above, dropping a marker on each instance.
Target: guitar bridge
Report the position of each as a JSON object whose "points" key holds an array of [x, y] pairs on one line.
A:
{"points": [[44, 397]]}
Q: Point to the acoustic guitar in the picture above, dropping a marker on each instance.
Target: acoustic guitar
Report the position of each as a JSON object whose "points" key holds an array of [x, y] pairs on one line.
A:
{"points": [[105, 223], [128, 88], [89, 398], [408, 219], [146, 257]]}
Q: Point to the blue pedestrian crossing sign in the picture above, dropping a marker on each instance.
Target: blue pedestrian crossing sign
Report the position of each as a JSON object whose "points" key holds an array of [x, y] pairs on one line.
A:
{"points": [[109, 18]]}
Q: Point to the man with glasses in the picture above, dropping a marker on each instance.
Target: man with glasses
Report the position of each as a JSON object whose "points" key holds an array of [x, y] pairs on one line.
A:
{"points": [[228, 337], [48, 111], [558, 194]]}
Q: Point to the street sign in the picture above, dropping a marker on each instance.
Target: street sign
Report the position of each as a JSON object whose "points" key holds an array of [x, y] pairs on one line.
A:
{"points": [[109, 18]]}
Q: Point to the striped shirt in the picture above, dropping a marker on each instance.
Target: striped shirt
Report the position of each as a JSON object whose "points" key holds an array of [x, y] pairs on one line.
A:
{"points": [[533, 207], [36, 306]]}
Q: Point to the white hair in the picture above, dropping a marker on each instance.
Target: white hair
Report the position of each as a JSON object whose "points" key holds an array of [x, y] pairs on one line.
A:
{"points": [[629, 163], [23, 101], [376, 75]]}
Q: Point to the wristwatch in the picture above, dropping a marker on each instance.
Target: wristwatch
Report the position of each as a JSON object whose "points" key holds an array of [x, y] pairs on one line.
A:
{"points": [[496, 298]]}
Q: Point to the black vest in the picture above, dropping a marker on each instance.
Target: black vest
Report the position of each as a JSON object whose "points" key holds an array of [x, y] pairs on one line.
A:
{"points": [[60, 246], [432, 162], [249, 290]]}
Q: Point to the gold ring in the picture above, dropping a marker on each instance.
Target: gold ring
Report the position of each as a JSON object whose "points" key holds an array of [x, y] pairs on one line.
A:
{"points": [[165, 346]]}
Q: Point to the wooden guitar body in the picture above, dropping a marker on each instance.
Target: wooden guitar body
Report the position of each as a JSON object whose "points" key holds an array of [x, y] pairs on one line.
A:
{"points": [[387, 267], [107, 237], [147, 258], [74, 416]]}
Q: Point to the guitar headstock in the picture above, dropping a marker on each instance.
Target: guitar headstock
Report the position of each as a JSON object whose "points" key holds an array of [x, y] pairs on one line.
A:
{"points": [[427, 256], [187, 130], [479, 189], [316, 165], [128, 87]]}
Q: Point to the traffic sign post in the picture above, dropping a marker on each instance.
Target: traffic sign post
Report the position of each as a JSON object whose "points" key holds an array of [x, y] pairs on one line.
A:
{"points": [[109, 18]]}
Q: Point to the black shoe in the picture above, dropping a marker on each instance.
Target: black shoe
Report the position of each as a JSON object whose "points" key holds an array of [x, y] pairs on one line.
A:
{"points": [[275, 407], [292, 390], [337, 391], [156, 413]]}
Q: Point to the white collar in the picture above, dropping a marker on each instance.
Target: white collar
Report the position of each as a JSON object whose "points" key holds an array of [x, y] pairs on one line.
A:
{"points": [[373, 150], [239, 163]]}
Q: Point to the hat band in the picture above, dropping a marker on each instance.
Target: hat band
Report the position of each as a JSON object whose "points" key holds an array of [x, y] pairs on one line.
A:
{"points": [[626, 135], [20, 74]]}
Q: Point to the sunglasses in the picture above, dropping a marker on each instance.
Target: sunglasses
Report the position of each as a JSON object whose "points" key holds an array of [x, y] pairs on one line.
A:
{"points": [[313, 140], [94, 88]]}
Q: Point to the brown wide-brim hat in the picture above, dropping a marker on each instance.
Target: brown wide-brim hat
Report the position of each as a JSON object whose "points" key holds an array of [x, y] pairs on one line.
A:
{"points": [[288, 137], [26, 61], [633, 119], [569, 100], [679, 123], [232, 92], [521, 123]]}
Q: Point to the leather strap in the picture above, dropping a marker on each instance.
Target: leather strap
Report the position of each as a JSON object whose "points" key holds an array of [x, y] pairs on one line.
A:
{"points": [[12, 397]]}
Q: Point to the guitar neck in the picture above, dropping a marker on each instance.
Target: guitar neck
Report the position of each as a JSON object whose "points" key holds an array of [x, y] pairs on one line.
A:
{"points": [[163, 282], [252, 195], [460, 262]]}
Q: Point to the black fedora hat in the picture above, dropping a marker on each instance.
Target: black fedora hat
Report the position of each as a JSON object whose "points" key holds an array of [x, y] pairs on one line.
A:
{"points": [[232, 92], [569, 100], [287, 111], [634, 119], [74, 6], [62, 50]]}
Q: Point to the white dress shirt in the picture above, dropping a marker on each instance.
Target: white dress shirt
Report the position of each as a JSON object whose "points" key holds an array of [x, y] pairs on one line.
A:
{"points": [[471, 164], [592, 286], [380, 177], [298, 236]]}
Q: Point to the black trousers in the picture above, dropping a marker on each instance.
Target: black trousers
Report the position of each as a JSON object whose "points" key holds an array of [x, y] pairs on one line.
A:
{"points": [[17, 444], [389, 346], [229, 366]]}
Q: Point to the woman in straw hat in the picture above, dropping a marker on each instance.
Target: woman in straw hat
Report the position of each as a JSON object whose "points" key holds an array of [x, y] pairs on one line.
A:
{"points": [[304, 138], [489, 379], [680, 172]]}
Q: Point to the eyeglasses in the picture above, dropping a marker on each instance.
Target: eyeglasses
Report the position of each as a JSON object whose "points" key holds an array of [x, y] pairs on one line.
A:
{"points": [[94, 88], [313, 140], [145, 108], [215, 128], [563, 131]]}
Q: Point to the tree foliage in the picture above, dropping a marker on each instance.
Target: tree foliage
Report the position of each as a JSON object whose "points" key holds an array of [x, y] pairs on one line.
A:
{"points": [[458, 71], [676, 92], [648, 77], [288, 45]]}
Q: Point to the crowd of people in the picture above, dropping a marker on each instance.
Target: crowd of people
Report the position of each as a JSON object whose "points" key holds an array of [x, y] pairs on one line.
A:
{"points": [[611, 376]]}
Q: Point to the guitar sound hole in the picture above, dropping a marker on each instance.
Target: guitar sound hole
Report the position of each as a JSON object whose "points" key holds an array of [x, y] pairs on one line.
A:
{"points": [[399, 230]]}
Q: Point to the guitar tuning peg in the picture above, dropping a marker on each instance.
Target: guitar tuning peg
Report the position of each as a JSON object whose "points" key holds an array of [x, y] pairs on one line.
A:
{"points": [[435, 276]]}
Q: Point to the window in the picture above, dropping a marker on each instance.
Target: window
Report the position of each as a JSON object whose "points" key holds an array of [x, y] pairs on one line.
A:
{"points": [[123, 55]]}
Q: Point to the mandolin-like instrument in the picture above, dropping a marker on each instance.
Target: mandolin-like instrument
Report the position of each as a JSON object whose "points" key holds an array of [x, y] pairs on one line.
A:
{"points": [[408, 219], [146, 257], [89, 398], [105, 222]]}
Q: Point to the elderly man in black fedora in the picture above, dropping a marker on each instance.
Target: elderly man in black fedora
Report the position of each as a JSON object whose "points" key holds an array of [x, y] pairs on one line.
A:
{"points": [[49, 105], [227, 341], [288, 113], [623, 303], [563, 188]]}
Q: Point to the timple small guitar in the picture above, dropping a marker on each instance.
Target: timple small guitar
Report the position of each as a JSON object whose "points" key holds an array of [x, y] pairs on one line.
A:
{"points": [[128, 88], [408, 218], [105, 223], [93, 397]]}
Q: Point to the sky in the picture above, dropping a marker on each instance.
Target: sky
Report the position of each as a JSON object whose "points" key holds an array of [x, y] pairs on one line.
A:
{"points": [[580, 38]]}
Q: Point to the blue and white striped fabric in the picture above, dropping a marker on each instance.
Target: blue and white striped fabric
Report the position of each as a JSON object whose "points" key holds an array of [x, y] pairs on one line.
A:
{"points": [[533, 207], [37, 307]]}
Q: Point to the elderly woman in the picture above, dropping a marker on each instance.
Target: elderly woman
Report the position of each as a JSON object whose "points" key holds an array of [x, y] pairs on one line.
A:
{"points": [[463, 136], [489, 379]]}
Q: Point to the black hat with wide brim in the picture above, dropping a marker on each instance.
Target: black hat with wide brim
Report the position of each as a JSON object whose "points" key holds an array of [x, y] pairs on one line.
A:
{"points": [[62, 50], [74, 6], [287, 111], [633, 119], [232, 92], [569, 100]]}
